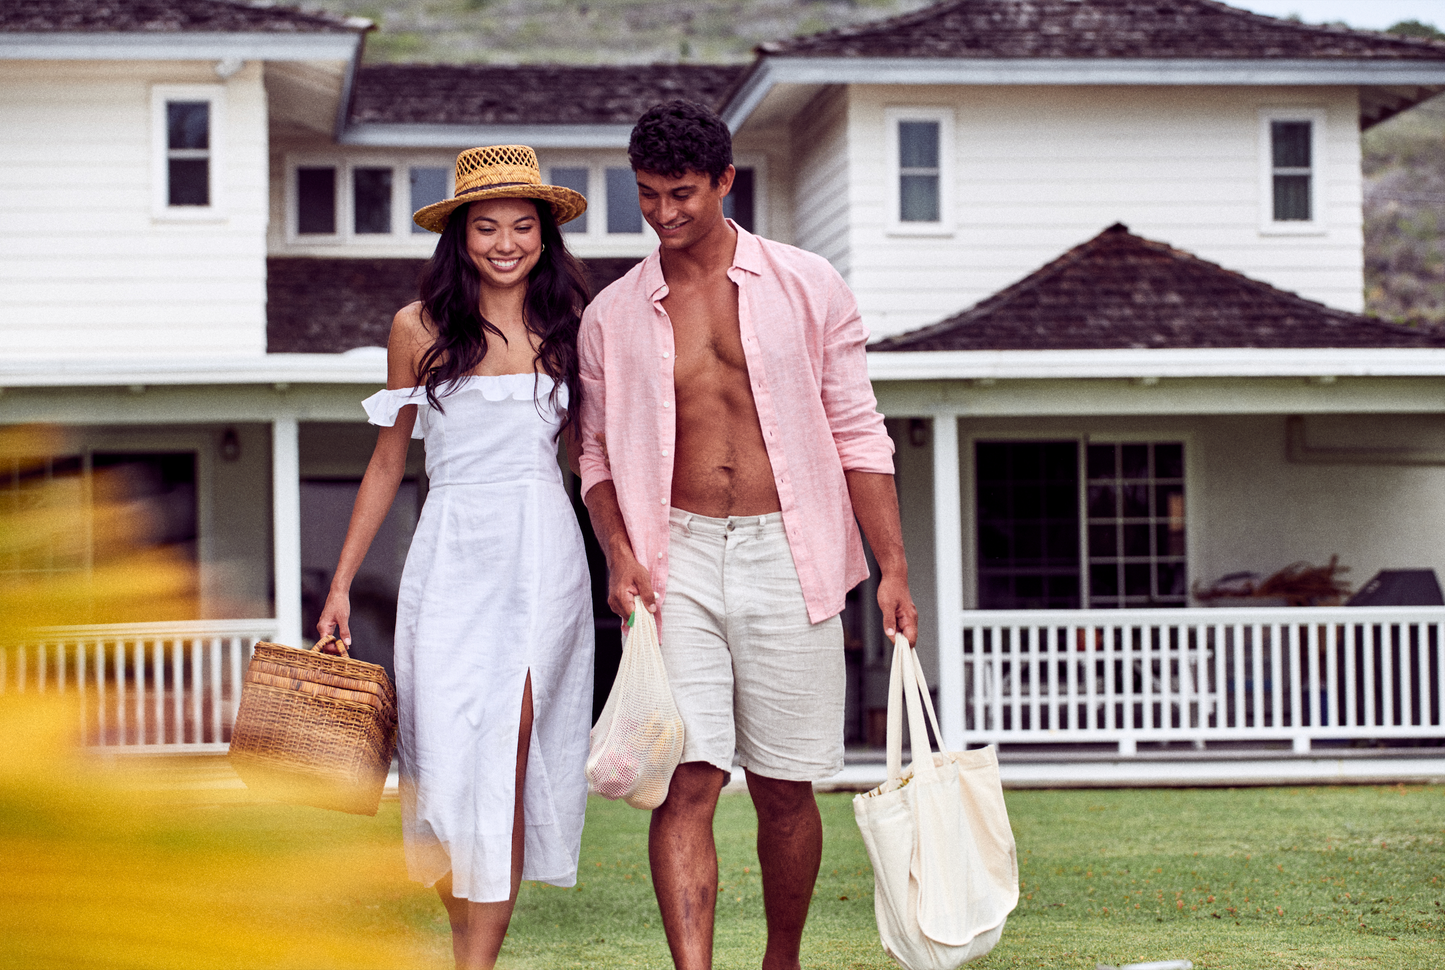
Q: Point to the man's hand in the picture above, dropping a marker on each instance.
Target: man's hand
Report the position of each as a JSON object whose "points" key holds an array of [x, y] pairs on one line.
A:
{"points": [[628, 579], [899, 613]]}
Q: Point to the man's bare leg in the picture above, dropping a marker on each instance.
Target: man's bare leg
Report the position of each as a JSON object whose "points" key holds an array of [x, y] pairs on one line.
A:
{"points": [[790, 849], [478, 929], [684, 862]]}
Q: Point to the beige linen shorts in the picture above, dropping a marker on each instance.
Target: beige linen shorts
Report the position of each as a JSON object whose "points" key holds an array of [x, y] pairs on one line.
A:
{"points": [[757, 684]]}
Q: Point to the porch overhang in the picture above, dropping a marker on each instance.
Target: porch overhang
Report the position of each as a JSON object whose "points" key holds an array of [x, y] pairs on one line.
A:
{"points": [[361, 366]]}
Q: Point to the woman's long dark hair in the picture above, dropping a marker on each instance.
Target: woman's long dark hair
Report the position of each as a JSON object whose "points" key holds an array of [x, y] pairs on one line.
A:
{"points": [[451, 293]]}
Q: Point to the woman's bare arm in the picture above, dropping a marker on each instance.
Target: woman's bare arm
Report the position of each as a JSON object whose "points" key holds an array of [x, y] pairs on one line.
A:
{"points": [[384, 472]]}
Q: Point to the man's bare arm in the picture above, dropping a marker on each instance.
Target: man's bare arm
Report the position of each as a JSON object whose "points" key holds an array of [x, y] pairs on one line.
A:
{"points": [[875, 504], [626, 577]]}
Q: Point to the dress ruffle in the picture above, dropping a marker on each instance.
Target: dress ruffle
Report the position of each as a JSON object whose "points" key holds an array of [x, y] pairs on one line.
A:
{"points": [[383, 406]]}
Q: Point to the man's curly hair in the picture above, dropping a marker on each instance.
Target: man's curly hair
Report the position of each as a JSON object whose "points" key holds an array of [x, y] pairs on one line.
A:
{"points": [[677, 137]]}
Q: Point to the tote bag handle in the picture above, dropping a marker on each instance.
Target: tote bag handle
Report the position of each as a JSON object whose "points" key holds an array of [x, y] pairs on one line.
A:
{"points": [[907, 688]]}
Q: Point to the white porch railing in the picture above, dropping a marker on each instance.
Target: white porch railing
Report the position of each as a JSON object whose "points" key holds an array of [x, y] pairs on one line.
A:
{"points": [[1200, 675], [143, 687]]}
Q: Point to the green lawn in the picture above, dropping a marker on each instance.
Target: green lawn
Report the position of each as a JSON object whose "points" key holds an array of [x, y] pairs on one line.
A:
{"points": [[1299, 877], [124, 870]]}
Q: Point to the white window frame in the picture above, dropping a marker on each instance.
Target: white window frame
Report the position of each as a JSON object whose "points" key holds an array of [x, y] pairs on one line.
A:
{"points": [[1194, 540], [597, 241], [400, 236], [1316, 224], [759, 164], [946, 224], [161, 209]]}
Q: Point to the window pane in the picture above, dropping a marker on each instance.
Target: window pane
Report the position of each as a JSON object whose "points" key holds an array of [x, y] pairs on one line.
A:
{"points": [[428, 185], [188, 124], [1291, 198], [190, 181], [623, 215], [316, 201], [1028, 540], [574, 178], [1290, 141], [918, 144], [1168, 461], [1102, 461], [738, 204], [371, 193], [918, 198]]}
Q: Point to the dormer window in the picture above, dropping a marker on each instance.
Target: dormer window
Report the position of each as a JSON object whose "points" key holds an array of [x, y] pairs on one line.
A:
{"points": [[1291, 147], [919, 160]]}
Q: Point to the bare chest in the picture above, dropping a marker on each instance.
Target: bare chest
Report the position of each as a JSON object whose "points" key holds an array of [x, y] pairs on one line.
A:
{"points": [[706, 333]]}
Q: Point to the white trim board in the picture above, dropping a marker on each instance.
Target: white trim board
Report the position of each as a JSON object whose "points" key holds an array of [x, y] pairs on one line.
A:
{"points": [[379, 135], [771, 71], [1149, 364], [364, 366], [182, 46]]}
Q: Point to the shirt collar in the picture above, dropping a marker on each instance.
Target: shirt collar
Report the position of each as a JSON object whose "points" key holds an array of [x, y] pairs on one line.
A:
{"points": [[747, 256]]}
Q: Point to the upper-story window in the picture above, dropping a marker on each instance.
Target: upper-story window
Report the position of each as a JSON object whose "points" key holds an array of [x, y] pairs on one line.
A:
{"points": [[611, 192], [331, 201], [1290, 145], [186, 145], [919, 143]]}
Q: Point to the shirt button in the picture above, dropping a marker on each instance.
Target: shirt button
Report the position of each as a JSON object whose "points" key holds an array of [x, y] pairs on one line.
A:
{"points": [[659, 555], [662, 501], [665, 355], [664, 452], [666, 405]]}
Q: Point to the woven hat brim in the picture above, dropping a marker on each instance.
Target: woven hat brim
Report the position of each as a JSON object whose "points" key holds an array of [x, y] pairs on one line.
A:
{"points": [[566, 204]]}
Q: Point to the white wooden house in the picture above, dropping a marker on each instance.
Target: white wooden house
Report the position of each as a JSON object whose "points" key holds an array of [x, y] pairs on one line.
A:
{"points": [[204, 215]]}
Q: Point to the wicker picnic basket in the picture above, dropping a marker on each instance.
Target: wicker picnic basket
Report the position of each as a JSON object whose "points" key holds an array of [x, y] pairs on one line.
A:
{"points": [[315, 728]]}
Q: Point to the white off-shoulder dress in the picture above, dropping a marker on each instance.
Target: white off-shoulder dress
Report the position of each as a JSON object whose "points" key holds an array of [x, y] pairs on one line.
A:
{"points": [[495, 585]]}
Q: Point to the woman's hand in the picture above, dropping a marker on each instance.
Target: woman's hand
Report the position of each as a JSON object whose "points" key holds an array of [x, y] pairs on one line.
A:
{"points": [[336, 613]]}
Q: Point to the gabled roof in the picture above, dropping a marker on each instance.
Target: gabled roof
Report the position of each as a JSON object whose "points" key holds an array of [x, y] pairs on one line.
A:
{"points": [[1176, 42], [1099, 29], [1121, 291], [480, 94], [165, 16]]}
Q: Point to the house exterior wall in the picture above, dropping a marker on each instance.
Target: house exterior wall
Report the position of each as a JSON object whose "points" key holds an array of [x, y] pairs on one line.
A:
{"points": [[1247, 506], [823, 149], [88, 267], [1036, 170]]}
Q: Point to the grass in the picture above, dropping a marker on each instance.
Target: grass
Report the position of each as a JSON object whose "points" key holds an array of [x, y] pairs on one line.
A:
{"points": [[100, 874]]}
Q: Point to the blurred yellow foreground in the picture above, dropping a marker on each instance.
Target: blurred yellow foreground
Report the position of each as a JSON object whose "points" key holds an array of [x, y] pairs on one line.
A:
{"points": [[111, 864]]}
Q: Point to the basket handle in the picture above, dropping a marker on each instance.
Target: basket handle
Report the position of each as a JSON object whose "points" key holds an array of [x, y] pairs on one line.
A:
{"points": [[327, 641]]}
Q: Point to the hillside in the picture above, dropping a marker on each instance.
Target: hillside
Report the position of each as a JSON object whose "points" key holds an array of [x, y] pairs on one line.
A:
{"points": [[596, 31], [1404, 165]]}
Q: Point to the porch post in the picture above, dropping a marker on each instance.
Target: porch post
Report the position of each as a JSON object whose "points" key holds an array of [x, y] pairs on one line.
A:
{"points": [[286, 528], [948, 567]]}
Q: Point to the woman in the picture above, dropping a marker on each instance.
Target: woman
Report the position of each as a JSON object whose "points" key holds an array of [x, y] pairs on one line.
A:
{"points": [[494, 640]]}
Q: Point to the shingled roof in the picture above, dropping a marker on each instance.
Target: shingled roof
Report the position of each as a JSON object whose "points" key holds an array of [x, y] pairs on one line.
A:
{"points": [[165, 16], [327, 306], [480, 94], [1119, 290], [1100, 29]]}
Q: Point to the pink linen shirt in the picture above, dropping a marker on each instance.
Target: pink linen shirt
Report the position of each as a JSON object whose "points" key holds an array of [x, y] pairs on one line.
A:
{"points": [[804, 344]]}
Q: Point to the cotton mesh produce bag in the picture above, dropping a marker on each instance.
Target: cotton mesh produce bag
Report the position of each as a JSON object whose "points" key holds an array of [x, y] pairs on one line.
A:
{"points": [[637, 741]]}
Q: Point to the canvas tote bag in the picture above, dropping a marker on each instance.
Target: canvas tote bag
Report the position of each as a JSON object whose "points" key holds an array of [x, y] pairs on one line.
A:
{"points": [[637, 740], [945, 868]]}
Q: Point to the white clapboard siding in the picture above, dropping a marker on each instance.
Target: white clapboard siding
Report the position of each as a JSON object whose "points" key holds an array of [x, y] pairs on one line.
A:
{"points": [[1037, 170], [82, 248], [822, 180]]}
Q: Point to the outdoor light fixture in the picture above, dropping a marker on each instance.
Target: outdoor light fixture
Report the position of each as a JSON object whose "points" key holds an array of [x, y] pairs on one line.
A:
{"points": [[918, 432], [230, 445]]}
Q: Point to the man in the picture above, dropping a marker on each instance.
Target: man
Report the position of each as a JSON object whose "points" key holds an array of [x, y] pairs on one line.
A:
{"points": [[730, 437]]}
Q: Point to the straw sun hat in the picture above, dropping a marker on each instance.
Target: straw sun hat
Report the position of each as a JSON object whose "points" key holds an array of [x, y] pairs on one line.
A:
{"points": [[501, 172]]}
